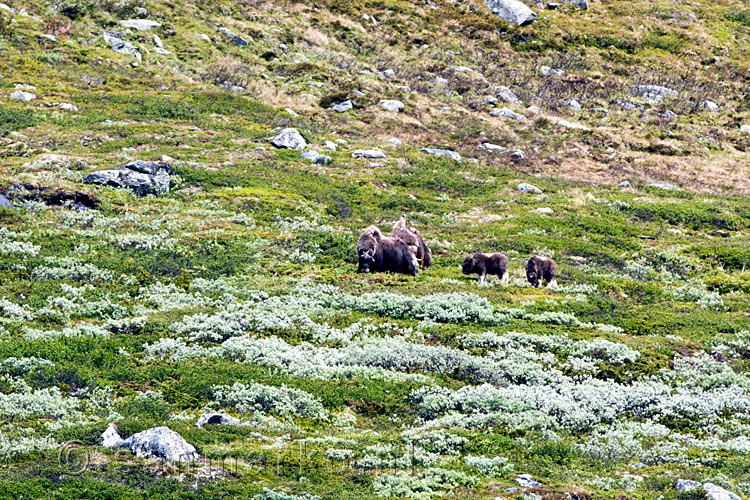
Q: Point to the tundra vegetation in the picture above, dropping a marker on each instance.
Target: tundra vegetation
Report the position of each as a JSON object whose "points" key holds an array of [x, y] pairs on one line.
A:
{"points": [[236, 291]]}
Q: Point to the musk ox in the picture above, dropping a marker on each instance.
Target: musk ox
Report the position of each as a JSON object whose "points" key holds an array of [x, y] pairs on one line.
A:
{"points": [[378, 253], [539, 269], [403, 231], [486, 263]]}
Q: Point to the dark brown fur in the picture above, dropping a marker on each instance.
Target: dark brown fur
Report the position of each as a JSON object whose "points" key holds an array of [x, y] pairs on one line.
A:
{"points": [[539, 270], [412, 237], [484, 264], [378, 253]]}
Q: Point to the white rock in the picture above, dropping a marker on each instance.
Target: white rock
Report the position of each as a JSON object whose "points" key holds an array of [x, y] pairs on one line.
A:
{"points": [[507, 95], [111, 438], [667, 187], [216, 419], [573, 104], [140, 24], [391, 105], [319, 85], [23, 96], [330, 145], [289, 138], [508, 114], [709, 106], [23, 86], [534, 109], [462, 69], [447, 153], [66, 106], [440, 80], [388, 74], [571, 125], [547, 71], [233, 37], [527, 188], [121, 46], [623, 184], [714, 492], [205, 37], [493, 147], [404, 88], [490, 99], [157, 41], [512, 11], [161, 442], [370, 154], [545, 211], [315, 157], [687, 485], [527, 481], [291, 112], [393, 141], [342, 107], [745, 129], [652, 91]]}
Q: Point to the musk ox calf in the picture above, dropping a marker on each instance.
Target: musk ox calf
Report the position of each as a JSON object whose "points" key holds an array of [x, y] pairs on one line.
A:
{"points": [[539, 269], [378, 253], [403, 231], [486, 263]]}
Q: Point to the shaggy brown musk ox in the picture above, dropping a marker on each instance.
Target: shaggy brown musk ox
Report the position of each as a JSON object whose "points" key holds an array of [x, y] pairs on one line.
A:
{"points": [[540, 269], [486, 263], [412, 237], [378, 253]]}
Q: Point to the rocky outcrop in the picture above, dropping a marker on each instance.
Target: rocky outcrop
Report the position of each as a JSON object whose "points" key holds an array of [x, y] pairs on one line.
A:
{"points": [[141, 177], [289, 138], [512, 11], [161, 442], [447, 153]]}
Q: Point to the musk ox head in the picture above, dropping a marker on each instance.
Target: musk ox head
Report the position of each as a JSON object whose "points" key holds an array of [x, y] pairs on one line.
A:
{"points": [[533, 273], [367, 247], [468, 265]]}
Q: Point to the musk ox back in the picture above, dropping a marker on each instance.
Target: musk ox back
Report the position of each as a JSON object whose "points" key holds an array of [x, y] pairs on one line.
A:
{"points": [[541, 269], [378, 253], [484, 264], [412, 237]]}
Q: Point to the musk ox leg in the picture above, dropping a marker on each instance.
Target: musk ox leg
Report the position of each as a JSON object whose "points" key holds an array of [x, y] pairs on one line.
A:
{"points": [[482, 277], [504, 278], [552, 283]]}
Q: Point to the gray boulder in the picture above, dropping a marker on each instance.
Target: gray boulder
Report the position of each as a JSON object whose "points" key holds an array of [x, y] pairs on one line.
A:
{"points": [[709, 106], [573, 104], [571, 125], [233, 37], [508, 114], [446, 153], [370, 154], [745, 129], [667, 187], [547, 71], [687, 485], [527, 481], [216, 419], [623, 184], [315, 157], [507, 95], [392, 105], [652, 91], [527, 188], [20, 95], [714, 492], [512, 11], [117, 44], [161, 442], [111, 438], [140, 24], [581, 4], [342, 107], [5, 202], [289, 138], [141, 177]]}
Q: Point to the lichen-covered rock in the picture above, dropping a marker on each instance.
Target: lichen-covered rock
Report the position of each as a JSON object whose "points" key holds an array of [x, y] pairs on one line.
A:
{"points": [[508, 114], [289, 138], [315, 157], [527, 188], [111, 438], [161, 442], [687, 485], [512, 11], [527, 481], [343, 106], [139, 24], [714, 492], [370, 154], [233, 37], [121, 46], [142, 177], [392, 105], [447, 153], [20, 95]]}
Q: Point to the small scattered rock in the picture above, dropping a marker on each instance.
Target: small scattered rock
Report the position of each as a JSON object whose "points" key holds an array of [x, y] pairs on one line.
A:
{"points": [[370, 154], [388, 74], [291, 112], [404, 88], [447, 153], [507, 95], [669, 115], [508, 114], [315, 157], [512, 11], [140, 24], [216, 419], [687, 485], [440, 80], [111, 438], [527, 481], [517, 156], [668, 187], [5, 202], [745, 129], [545, 211], [393, 141], [233, 37], [573, 104], [316, 84], [24, 86], [623, 184], [161, 442], [23, 96], [289, 138], [709, 106], [330, 145], [652, 91], [535, 110], [548, 71], [571, 125], [66, 106], [463, 69], [117, 44], [392, 105], [527, 188], [490, 99], [343, 106]]}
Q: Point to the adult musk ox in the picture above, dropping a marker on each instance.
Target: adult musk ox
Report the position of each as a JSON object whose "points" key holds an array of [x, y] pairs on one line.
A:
{"points": [[486, 263], [378, 253], [539, 269], [403, 231]]}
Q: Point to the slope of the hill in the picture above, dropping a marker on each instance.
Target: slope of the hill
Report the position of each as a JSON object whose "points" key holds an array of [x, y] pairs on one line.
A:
{"points": [[237, 292]]}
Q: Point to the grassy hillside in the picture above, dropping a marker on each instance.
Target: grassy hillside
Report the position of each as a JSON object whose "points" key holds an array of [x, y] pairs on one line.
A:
{"points": [[237, 291]]}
